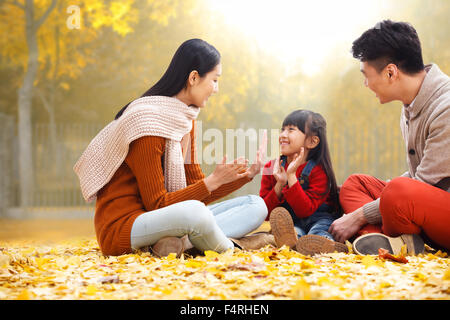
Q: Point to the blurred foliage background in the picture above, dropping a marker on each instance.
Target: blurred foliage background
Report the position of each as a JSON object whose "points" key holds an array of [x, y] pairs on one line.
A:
{"points": [[277, 56]]}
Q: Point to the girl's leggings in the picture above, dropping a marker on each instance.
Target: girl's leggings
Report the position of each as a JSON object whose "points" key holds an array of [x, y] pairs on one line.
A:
{"points": [[208, 227], [407, 206]]}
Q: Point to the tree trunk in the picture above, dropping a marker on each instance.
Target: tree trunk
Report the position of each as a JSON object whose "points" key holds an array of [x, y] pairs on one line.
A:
{"points": [[25, 97], [55, 168]]}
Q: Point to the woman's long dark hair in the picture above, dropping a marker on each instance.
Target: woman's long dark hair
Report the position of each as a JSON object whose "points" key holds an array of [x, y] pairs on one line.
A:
{"points": [[193, 54], [313, 124]]}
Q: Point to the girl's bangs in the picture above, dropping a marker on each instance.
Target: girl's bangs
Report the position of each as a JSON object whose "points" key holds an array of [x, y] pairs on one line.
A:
{"points": [[297, 118]]}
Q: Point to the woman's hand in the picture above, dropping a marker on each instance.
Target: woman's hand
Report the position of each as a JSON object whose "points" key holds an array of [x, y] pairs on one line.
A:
{"points": [[259, 161], [226, 173]]}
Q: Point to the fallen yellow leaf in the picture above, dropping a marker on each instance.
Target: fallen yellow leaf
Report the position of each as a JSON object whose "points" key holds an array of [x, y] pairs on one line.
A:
{"points": [[40, 262], [24, 295], [420, 276], [209, 254], [301, 290], [446, 275], [385, 285], [191, 263], [307, 264], [91, 290], [171, 256], [368, 261]]}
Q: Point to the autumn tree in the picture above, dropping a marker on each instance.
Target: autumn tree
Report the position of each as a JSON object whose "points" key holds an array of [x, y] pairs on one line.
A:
{"points": [[51, 41]]}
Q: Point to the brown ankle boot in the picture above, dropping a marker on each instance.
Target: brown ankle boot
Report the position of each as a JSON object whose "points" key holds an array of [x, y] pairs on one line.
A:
{"points": [[312, 244], [164, 246], [254, 241], [283, 228]]}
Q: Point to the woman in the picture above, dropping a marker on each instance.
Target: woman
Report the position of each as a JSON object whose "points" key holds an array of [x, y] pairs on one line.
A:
{"points": [[137, 168]]}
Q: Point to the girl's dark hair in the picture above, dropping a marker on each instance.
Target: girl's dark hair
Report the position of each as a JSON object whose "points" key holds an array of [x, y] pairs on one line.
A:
{"points": [[193, 54], [313, 124], [390, 42]]}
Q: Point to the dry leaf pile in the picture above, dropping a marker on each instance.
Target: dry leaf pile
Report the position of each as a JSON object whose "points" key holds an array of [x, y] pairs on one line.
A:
{"points": [[76, 269]]}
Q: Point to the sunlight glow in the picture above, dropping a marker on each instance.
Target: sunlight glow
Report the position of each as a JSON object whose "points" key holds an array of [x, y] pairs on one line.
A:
{"points": [[298, 31]]}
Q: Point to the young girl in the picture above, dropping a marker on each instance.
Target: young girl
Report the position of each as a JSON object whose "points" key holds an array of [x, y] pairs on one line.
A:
{"points": [[299, 188]]}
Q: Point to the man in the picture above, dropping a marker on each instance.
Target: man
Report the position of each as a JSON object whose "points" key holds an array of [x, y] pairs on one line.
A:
{"points": [[391, 214]]}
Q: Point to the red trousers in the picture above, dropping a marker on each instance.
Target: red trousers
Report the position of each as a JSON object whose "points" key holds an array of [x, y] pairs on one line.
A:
{"points": [[406, 206]]}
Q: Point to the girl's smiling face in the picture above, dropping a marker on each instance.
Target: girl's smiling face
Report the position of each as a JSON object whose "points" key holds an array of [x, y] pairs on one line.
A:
{"points": [[291, 140]]}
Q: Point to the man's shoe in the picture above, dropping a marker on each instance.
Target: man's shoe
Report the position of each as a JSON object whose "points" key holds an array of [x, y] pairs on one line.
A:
{"points": [[164, 246], [312, 244], [371, 242], [254, 241], [283, 227]]}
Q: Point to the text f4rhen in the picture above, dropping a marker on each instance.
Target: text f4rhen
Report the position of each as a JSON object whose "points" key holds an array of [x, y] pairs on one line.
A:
{"points": [[227, 309]]}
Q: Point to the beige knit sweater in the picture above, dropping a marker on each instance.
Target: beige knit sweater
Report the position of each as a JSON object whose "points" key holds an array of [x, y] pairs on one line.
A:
{"points": [[425, 127]]}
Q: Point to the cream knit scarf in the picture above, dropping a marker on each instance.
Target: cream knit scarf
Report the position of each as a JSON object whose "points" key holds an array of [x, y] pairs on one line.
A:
{"points": [[147, 116]]}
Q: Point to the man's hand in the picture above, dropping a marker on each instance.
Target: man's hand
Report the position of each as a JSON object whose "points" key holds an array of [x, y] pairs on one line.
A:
{"points": [[348, 225]]}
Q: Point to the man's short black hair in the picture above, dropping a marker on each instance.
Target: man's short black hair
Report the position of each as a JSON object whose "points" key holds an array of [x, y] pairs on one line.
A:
{"points": [[390, 42]]}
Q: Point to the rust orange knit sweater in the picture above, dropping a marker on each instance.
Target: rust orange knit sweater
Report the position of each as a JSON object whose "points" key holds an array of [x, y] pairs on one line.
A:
{"points": [[138, 186]]}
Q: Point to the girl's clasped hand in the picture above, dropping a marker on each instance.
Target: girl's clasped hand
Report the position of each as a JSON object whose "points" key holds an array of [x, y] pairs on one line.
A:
{"points": [[281, 175]]}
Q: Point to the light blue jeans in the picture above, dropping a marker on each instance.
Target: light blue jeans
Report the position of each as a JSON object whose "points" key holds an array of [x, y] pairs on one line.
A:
{"points": [[208, 227], [318, 223]]}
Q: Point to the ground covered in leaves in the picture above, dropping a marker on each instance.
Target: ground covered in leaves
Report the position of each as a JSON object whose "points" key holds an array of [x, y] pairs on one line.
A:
{"points": [[76, 269]]}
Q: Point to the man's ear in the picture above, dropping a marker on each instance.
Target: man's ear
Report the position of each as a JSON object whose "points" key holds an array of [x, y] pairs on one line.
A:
{"points": [[312, 142], [193, 77], [392, 71]]}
